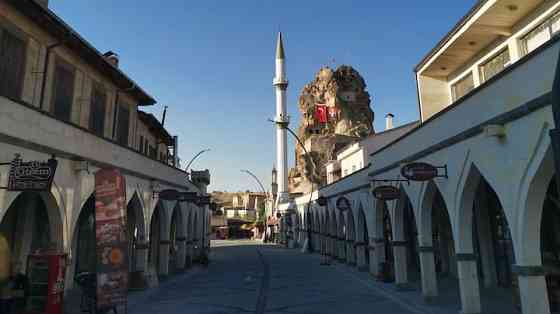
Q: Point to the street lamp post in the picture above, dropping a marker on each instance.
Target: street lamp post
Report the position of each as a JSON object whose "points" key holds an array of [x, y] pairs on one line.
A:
{"points": [[195, 157], [284, 125]]}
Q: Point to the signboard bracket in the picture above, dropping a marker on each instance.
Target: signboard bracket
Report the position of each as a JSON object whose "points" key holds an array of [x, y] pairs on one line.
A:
{"points": [[391, 180]]}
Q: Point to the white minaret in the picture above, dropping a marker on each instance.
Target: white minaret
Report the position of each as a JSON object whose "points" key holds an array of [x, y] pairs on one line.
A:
{"points": [[282, 120]]}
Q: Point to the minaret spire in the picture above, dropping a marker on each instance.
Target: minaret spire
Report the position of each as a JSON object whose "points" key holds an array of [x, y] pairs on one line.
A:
{"points": [[281, 85], [280, 47]]}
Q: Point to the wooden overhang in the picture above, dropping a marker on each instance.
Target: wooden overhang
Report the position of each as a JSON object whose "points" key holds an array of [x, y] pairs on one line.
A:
{"points": [[486, 22], [155, 127], [57, 28]]}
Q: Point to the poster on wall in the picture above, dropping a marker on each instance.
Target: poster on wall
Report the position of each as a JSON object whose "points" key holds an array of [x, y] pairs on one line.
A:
{"points": [[111, 238]]}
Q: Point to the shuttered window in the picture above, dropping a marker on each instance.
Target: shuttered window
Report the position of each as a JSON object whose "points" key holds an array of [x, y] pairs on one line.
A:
{"points": [[12, 55], [462, 87], [141, 147], [63, 91], [97, 110], [123, 125]]}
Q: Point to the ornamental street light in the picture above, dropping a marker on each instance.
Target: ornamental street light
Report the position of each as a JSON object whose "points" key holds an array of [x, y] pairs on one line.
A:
{"points": [[284, 125], [195, 157], [256, 179]]}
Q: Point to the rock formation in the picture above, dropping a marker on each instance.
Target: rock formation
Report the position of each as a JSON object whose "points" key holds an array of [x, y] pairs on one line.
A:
{"points": [[335, 110]]}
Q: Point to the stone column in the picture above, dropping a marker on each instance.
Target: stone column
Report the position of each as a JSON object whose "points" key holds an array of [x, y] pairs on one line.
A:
{"points": [[401, 271], [349, 248], [361, 256], [486, 246], [341, 249], [378, 255], [164, 257], [429, 276], [532, 289], [468, 283], [189, 253], [181, 252], [373, 265], [142, 249]]}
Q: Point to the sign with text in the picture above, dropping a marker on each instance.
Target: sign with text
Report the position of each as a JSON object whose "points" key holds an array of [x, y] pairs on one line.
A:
{"points": [[111, 238], [31, 175], [419, 171], [386, 193], [321, 113]]}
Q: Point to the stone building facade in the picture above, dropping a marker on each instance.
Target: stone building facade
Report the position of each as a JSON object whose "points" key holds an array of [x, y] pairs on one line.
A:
{"points": [[60, 97], [484, 235]]}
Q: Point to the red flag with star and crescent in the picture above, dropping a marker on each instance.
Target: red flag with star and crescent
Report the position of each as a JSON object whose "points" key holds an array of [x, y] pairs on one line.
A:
{"points": [[321, 113]]}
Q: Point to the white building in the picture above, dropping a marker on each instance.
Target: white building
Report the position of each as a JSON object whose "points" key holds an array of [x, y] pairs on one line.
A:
{"points": [[486, 234], [59, 96]]}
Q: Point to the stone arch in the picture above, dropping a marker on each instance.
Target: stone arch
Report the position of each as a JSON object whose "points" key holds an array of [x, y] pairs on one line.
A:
{"points": [[31, 221], [159, 239], [177, 239]]}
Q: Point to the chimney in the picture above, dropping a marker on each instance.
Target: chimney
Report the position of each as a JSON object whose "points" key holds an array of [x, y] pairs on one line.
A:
{"points": [[43, 3], [389, 121], [112, 57]]}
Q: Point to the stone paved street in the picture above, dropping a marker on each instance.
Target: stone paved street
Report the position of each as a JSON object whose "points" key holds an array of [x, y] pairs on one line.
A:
{"points": [[248, 277]]}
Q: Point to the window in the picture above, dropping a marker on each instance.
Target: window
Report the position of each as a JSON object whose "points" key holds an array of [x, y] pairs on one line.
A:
{"points": [[462, 87], [541, 33], [141, 147], [494, 65], [152, 152], [97, 111], [12, 54], [123, 116], [63, 91]]}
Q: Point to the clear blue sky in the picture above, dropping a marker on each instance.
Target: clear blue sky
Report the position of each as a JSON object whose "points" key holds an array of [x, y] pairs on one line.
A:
{"points": [[212, 63]]}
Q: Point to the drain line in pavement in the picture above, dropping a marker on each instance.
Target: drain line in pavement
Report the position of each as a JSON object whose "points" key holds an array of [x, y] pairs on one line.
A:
{"points": [[260, 308]]}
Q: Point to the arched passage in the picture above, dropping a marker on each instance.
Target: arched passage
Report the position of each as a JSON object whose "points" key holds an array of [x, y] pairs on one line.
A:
{"points": [[405, 242], [341, 236], [159, 241], [362, 251], [136, 233], [350, 238], [436, 246], [484, 246], [384, 243], [85, 249], [31, 222], [177, 240]]}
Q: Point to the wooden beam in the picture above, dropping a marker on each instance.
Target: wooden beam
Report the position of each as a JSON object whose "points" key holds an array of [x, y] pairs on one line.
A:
{"points": [[498, 30]]}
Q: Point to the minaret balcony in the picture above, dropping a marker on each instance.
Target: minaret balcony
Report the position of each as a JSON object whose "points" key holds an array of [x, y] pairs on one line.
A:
{"points": [[279, 82]]}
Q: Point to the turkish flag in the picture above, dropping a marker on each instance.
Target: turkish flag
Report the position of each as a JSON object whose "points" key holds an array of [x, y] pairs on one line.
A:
{"points": [[321, 113]]}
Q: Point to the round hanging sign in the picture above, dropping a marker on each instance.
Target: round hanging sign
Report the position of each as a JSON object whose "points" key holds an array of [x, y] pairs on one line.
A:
{"points": [[342, 203], [322, 201], [419, 171], [386, 193]]}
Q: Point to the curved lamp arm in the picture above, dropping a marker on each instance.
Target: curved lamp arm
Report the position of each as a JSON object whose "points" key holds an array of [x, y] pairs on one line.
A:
{"points": [[256, 179], [195, 157]]}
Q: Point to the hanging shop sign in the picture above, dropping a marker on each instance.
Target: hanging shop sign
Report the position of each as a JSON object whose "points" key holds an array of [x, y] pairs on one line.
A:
{"points": [[322, 201], [30, 175], [342, 203], [421, 171], [111, 238], [386, 193]]}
